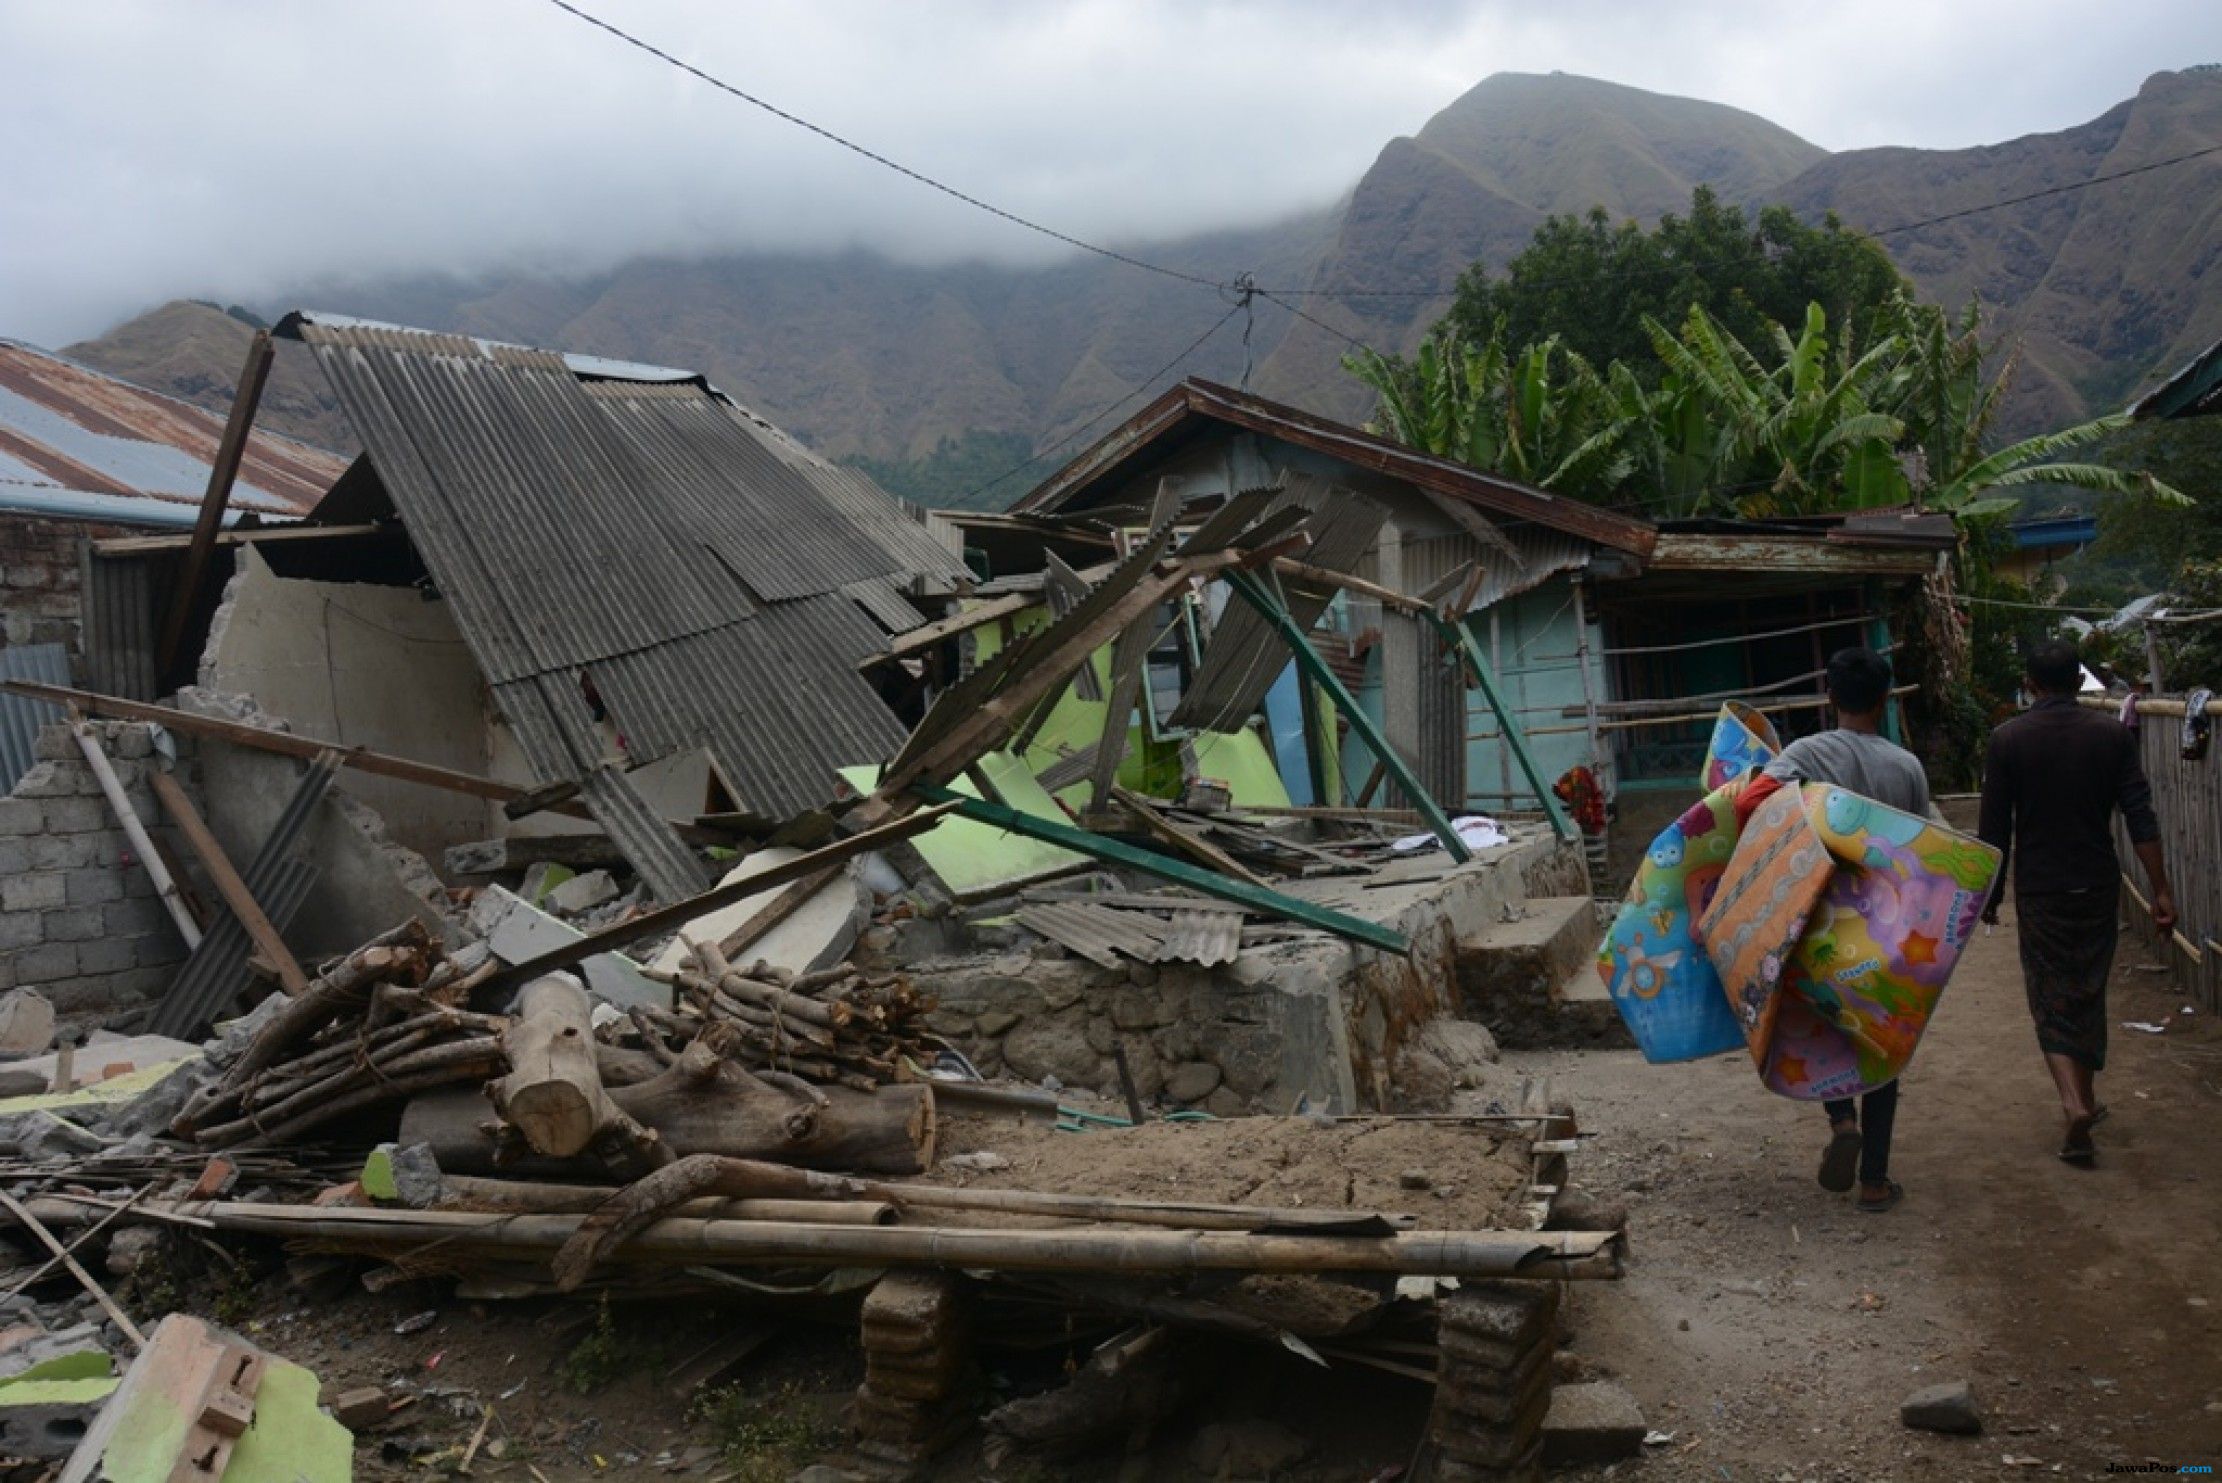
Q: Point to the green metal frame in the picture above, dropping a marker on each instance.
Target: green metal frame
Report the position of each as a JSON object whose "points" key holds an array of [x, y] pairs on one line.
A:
{"points": [[1316, 669], [1164, 867], [1462, 640]]}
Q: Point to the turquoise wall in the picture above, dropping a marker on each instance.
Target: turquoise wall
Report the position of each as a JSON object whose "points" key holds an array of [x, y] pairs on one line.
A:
{"points": [[1536, 671]]}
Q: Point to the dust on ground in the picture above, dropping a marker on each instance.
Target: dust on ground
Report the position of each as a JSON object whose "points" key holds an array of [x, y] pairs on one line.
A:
{"points": [[1475, 1177], [1773, 1330]]}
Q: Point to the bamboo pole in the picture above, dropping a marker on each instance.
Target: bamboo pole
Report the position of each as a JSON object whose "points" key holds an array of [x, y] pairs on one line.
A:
{"points": [[164, 886], [1548, 1255]]}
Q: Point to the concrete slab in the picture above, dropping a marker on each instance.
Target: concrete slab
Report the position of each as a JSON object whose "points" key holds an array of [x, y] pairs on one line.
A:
{"points": [[1596, 1422], [818, 935], [515, 930]]}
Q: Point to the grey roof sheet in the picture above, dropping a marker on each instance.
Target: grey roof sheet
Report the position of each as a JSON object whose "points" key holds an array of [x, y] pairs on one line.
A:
{"points": [[641, 535], [79, 444]]}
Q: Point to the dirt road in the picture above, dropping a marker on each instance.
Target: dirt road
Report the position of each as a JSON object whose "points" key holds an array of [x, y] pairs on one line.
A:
{"points": [[1774, 1330]]}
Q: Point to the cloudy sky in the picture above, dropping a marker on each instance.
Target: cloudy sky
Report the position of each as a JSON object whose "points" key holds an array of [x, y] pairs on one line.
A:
{"points": [[236, 148]]}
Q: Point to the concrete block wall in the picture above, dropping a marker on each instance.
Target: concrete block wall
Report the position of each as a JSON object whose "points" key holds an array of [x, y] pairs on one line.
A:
{"points": [[41, 581], [79, 920]]}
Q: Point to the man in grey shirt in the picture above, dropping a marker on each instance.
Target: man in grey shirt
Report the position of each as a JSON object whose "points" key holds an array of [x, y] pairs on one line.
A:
{"points": [[1857, 756]]}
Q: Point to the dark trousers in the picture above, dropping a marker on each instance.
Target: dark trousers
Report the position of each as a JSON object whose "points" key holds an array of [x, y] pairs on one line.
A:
{"points": [[1877, 1112]]}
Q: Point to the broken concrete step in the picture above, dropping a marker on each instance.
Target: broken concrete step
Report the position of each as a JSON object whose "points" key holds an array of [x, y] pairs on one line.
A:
{"points": [[1528, 979]]}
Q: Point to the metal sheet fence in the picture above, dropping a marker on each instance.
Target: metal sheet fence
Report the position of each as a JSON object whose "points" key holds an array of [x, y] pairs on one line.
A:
{"points": [[2187, 795]]}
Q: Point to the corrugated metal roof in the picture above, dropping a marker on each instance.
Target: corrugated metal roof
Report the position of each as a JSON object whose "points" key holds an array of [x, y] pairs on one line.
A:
{"points": [[1194, 401], [80, 445], [629, 530], [21, 718], [1101, 934], [1208, 937]]}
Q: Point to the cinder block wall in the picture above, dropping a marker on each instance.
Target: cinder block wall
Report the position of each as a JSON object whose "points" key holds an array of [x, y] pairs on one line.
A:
{"points": [[42, 599], [78, 916]]}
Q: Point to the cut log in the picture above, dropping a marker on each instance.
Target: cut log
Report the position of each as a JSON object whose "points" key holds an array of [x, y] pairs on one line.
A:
{"points": [[553, 1094], [704, 1104]]}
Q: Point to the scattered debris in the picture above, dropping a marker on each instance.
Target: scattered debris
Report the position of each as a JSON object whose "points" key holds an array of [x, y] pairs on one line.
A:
{"points": [[1949, 1408]]}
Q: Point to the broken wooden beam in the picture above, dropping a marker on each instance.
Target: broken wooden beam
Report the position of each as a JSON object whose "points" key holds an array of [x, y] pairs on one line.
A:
{"points": [[226, 879], [679, 913], [222, 473]]}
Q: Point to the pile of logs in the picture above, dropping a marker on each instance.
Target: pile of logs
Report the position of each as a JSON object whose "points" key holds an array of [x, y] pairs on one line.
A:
{"points": [[836, 1027], [536, 1090]]}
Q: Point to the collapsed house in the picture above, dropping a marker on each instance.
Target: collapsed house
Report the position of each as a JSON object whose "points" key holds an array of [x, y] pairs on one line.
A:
{"points": [[593, 755]]}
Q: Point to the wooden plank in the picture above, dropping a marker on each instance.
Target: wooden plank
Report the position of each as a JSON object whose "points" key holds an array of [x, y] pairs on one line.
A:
{"points": [[221, 475], [679, 913], [116, 1315], [262, 738], [261, 535], [1193, 845], [1129, 653], [226, 880]]}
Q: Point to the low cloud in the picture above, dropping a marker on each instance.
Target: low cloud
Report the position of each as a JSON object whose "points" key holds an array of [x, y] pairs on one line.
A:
{"points": [[242, 150]]}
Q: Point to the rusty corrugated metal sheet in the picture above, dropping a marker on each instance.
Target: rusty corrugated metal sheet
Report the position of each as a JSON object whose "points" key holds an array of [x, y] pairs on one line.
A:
{"points": [[1195, 400], [625, 530], [74, 442]]}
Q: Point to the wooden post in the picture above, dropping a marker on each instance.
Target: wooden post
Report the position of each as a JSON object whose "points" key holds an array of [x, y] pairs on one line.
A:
{"points": [[221, 475], [1878, 639], [1589, 688], [165, 887], [1308, 661], [1496, 662], [226, 879]]}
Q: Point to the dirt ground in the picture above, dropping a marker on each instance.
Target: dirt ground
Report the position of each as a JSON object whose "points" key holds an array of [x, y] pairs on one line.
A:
{"points": [[1763, 1323], [1773, 1330]]}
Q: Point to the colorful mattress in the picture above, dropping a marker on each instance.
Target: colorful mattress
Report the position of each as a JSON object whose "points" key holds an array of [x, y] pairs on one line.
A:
{"points": [[1818, 934]]}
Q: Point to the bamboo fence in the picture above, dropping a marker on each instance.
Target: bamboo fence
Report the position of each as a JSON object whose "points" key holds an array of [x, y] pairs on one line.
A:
{"points": [[2188, 798]]}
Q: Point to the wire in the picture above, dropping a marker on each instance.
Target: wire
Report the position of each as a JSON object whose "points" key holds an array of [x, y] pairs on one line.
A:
{"points": [[965, 499], [877, 158]]}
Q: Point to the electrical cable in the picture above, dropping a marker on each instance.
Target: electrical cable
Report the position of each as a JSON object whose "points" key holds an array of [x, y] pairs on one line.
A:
{"points": [[965, 500], [876, 157]]}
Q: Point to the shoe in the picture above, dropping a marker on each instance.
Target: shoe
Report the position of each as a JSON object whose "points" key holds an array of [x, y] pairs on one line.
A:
{"points": [[1869, 1206], [1840, 1163]]}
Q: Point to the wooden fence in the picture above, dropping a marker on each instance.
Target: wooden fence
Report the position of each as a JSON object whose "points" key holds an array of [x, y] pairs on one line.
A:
{"points": [[2188, 798]]}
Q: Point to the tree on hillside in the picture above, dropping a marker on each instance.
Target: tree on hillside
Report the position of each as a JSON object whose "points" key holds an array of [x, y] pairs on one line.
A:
{"points": [[1591, 281], [967, 472]]}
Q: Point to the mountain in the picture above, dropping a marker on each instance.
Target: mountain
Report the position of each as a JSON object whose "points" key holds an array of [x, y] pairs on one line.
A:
{"points": [[862, 356], [2104, 290], [1478, 180], [195, 352]]}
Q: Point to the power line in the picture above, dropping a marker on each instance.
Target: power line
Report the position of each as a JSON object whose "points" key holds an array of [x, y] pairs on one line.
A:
{"points": [[877, 158], [1139, 387]]}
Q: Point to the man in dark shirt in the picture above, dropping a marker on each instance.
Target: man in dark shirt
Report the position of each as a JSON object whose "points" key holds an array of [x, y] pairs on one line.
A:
{"points": [[2051, 783]]}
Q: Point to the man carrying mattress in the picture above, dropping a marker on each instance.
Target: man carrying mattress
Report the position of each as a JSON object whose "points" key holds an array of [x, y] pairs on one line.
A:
{"points": [[1857, 756], [2052, 781]]}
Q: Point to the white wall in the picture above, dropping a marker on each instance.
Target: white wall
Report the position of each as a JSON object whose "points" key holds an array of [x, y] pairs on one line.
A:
{"points": [[362, 665]]}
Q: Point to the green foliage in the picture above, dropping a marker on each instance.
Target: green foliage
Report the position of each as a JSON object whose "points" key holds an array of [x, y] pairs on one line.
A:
{"points": [[1592, 282], [603, 1356], [763, 1438], [1542, 415], [2191, 653], [954, 472]]}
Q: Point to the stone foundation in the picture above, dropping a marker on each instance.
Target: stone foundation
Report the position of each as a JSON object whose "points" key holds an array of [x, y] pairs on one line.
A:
{"points": [[1312, 1019]]}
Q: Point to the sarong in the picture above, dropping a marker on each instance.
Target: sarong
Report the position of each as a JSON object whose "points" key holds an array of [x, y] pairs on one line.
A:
{"points": [[2067, 950]]}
